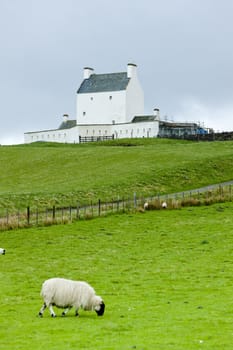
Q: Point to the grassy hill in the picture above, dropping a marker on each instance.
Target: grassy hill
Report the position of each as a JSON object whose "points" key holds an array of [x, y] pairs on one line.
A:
{"points": [[64, 174], [165, 276]]}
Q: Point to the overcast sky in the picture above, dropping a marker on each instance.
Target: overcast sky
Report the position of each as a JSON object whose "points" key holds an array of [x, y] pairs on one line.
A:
{"points": [[183, 50]]}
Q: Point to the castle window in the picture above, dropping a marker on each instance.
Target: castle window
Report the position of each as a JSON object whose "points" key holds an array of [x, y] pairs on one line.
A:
{"points": [[110, 97], [91, 98], [84, 113]]}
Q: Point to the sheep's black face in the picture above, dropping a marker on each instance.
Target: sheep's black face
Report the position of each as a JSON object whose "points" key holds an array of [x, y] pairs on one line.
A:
{"points": [[100, 312]]}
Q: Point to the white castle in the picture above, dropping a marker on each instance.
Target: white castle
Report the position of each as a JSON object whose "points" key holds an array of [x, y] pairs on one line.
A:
{"points": [[108, 106]]}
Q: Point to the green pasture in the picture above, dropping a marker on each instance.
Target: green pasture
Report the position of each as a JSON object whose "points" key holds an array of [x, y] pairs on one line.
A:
{"points": [[165, 276], [44, 174]]}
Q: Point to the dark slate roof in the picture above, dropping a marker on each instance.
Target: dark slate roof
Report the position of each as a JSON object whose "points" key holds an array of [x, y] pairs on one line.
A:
{"points": [[177, 124], [67, 125], [143, 118], [104, 83]]}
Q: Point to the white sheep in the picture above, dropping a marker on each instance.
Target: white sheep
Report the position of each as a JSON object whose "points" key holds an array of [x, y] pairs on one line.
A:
{"points": [[2, 251], [65, 294], [164, 205]]}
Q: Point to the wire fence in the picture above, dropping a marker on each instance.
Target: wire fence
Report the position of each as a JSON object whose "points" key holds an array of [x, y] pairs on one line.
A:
{"points": [[31, 216]]}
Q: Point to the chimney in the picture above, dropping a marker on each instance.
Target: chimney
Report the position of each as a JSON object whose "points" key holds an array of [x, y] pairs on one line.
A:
{"points": [[131, 70], [65, 117], [87, 72], [156, 113]]}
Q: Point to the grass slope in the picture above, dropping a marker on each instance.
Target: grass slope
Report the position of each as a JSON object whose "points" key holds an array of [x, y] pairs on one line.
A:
{"points": [[165, 276], [48, 174]]}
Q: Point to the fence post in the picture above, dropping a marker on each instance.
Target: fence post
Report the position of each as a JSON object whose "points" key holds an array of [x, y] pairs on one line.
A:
{"points": [[135, 200], [7, 217], [37, 216], [28, 215], [99, 207], [54, 212], [77, 214]]}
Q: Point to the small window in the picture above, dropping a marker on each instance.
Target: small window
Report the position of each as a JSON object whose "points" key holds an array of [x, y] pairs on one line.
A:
{"points": [[84, 113], [110, 97], [91, 98]]}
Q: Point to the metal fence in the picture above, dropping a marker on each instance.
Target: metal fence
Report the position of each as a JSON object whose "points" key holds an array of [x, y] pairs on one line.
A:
{"points": [[32, 216]]}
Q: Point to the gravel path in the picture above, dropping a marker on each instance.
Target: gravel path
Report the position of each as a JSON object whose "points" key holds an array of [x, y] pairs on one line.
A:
{"points": [[199, 190]]}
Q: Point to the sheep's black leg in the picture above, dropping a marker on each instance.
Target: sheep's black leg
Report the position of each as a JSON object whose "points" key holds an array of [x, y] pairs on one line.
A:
{"points": [[42, 310], [65, 311], [51, 311], [76, 313]]}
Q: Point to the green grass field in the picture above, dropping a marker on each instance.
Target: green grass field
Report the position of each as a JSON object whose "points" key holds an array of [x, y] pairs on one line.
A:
{"points": [[58, 174], [165, 276]]}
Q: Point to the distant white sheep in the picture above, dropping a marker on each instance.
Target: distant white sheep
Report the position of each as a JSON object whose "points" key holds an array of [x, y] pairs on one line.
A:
{"points": [[2, 251], [146, 205], [65, 294], [164, 205]]}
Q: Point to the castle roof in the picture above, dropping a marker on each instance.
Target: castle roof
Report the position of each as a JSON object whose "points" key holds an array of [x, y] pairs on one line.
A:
{"points": [[104, 83], [67, 124]]}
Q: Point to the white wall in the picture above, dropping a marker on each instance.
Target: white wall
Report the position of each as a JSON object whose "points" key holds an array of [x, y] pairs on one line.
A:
{"points": [[64, 136], [95, 130], [134, 99], [136, 130], [101, 107], [123, 130]]}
